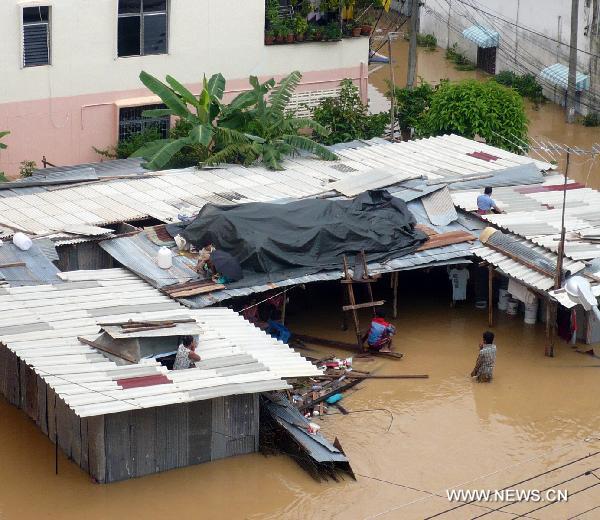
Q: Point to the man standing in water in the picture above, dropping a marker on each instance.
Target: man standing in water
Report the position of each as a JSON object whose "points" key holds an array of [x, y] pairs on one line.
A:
{"points": [[484, 367]]}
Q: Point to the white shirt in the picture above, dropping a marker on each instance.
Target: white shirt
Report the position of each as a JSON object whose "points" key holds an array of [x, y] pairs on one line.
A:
{"points": [[459, 278], [182, 359]]}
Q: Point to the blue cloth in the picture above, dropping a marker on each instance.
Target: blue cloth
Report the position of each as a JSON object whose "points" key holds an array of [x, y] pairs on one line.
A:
{"points": [[379, 330], [485, 202]]}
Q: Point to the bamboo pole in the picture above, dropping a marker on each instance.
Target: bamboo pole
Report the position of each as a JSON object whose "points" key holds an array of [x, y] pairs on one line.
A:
{"points": [[395, 285]]}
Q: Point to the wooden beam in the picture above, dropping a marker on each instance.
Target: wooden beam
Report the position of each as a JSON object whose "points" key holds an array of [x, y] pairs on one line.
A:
{"points": [[342, 345], [351, 375], [490, 296], [365, 305], [13, 264], [97, 346], [395, 276]]}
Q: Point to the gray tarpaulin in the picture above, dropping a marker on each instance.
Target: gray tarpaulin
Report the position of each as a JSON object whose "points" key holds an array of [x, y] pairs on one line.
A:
{"points": [[307, 235]]}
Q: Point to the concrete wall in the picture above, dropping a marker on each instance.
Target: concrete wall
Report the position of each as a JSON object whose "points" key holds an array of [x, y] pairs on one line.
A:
{"points": [[520, 50], [63, 109]]}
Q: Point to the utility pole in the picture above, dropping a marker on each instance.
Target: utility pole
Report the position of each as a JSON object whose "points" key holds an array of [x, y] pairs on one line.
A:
{"points": [[412, 47], [570, 104], [393, 97]]}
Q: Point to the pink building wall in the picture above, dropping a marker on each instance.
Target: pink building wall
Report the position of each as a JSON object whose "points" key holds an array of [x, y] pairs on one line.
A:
{"points": [[64, 129]]}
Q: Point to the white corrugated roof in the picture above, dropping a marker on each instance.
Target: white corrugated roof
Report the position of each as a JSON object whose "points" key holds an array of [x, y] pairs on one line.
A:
{"points": [[41, 324], [520, 271], [537, 215], [166, 194]]}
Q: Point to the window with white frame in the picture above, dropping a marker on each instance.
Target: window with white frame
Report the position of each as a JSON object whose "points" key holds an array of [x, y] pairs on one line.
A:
{"points": [[143, 27], [36, 36]]}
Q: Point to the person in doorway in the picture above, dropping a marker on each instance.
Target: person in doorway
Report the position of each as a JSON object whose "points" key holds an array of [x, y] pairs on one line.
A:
{"points": [[458, 277], [379, 336], [186, 354], [485, 203], [486, 360]]}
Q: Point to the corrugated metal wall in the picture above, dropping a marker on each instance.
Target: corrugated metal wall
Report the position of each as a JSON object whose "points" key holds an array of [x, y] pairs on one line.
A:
{"points": [[136, 443]]}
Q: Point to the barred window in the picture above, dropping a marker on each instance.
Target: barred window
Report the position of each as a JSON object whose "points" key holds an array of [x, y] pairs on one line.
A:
{"points": [[36, 36], [143, 27], [131, 121]]}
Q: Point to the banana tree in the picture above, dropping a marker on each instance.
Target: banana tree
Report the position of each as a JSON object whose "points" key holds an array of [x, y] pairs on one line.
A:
{"points": [[273, 133], [200, 112], [3, 146]]}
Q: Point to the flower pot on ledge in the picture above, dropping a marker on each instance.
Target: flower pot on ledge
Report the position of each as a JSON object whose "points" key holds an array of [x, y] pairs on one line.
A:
{"points": [[300, 37], [356, 31], [366, 30], [290, 38], [269, 39]]}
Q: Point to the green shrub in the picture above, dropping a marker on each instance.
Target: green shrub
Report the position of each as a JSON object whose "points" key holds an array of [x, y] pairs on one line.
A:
{"points": [[412, 104], [125, 148], [428, 41], [461, 62], [470, 108], [27, 168], [592, 119], [526, 84], [347, 117]]}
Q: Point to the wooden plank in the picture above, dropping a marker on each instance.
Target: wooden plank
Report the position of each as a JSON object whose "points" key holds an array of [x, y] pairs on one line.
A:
{"points": [[64, 427], [13, 264], [363, 305], [344, 346], [42, 417], [51, 412], [75, 425], [219, 440], [99, 347], [96, 448], [143, 441], [194, 291], [351, 375], [324, 397], [200, 431], [117, 447], [85, 462]]}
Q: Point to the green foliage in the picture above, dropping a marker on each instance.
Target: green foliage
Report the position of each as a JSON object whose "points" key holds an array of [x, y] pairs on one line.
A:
{"points": [[3, 146], [471, 108], [429, 41], [592, 119], [347, 117], [254, 126], [461, 62], [128, 146], [272, 133], [525, 84], [300, 24], [27, 168], [411, 105]]}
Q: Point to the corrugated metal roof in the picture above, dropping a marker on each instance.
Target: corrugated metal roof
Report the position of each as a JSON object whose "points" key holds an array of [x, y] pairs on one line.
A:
{"points": [[536, 213], [51, 317], [558, 74], [37, 268], [481, 36], [167, 194], [440, 208], [561, 296], [521, 272]]}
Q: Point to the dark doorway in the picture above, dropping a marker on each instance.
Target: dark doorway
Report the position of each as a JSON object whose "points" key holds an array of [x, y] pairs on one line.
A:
{"points": [[486, 59]]}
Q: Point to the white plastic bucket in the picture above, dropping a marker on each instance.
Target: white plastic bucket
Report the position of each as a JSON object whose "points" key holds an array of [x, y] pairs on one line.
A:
{"points": [[531, 312], [512, 307], [503, 298], [481, 304], [164, 258]]}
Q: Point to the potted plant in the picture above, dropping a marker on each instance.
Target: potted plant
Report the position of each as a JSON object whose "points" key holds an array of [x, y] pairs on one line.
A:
{"points": [[318, 33], [310, 32], [333, 32], [269, 37], [356, 29], [367, 26], [289, 33], [301, 25], [279, 33]]}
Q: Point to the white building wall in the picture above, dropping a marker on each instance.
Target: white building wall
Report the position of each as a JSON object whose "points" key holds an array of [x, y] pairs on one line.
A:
{"points": [[520, 50]]}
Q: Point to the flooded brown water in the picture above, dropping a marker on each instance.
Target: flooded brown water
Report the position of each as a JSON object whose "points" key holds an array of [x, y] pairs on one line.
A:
{"points": [[414, 439], [546, 122]]}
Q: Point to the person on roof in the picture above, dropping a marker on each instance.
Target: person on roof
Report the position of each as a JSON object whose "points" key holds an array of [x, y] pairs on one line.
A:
{"points": [[485, 203], [379, 336], [186, 354]]}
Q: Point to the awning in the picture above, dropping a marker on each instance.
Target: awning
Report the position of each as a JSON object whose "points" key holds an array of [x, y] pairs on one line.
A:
{"points": [[482, 36], [558, 75]]}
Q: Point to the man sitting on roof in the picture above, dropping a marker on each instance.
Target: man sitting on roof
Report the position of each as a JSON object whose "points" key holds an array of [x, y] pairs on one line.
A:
{"points": [[485, 203], [380, 334], [186, 355]]}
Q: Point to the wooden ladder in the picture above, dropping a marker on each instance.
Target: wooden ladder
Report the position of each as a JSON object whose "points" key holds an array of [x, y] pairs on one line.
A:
{"points": [[361, 278]]}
